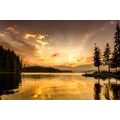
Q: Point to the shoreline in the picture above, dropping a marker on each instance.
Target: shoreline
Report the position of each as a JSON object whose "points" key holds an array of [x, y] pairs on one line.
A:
{"points": [[10, 72], [103, 75]]}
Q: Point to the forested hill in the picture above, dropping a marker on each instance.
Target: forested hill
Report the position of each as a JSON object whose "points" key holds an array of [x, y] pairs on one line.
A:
{"points": [[43, 69], [9, 61]]}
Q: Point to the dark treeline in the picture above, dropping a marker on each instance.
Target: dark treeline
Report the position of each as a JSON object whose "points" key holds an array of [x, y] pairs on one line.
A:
{"points": [[9, 61], [108, 58]]}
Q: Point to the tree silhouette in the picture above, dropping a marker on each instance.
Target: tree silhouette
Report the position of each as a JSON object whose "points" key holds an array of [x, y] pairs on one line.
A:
{"points": [[97, 90], [97, 58], [106, 56], [117, 43], [9, 61], [114, 59]]}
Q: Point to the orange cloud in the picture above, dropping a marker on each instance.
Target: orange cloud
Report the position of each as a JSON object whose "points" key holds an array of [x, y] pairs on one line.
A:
{"points": [[40, 39], [55, 54], [89, 59], [42, 43], [80, 59], [41, 59]]}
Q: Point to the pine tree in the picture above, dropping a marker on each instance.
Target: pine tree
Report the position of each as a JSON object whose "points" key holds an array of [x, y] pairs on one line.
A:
{"points": [[117, 43], [97, 58], [106, 56], [9, 61], [114, 60]]}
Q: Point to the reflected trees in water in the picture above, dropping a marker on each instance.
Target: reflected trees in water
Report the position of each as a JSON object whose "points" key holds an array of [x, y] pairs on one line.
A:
{"points": [[9, 83], [108, 91], [97, 90]]}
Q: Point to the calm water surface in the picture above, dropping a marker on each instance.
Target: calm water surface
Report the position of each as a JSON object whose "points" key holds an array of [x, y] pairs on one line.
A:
{"points": [[57, 86]]}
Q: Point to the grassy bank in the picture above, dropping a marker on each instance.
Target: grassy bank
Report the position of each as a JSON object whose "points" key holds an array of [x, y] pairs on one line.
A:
{"points": [[103, 74]]}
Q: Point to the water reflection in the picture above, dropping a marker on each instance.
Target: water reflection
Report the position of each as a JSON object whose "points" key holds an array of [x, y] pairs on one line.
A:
{"points": [[53, 87], [57, 87], [9, 84], [116, 91], [97, 89], [107, 90]]}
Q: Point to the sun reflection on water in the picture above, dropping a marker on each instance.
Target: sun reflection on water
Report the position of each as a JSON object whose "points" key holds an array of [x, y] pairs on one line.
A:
{"points": [[61, 86]]}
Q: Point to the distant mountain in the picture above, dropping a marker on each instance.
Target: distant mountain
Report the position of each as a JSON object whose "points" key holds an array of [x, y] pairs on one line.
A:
{"points": [[62, 69], [43, 69], [80, 68]]}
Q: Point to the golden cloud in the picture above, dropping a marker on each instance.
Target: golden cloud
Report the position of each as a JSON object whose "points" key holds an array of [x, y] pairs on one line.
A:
{"points": [[42, 42], [40, 39], [55, 54], [34, 36]]}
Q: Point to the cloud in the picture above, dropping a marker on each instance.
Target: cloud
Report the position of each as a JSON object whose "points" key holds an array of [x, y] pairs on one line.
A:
{"points": [[43, 43], [36, 48], [89, 59], [41, 59], [55, 55], [2, 35], [29, 36], [39, 38], [80, 59], [11, 30], [24, 44], [102, 28], [34, 36], [8, 39], [112, 22]]}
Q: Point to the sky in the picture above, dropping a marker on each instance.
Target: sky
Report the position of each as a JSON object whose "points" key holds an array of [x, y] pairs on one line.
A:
{"points": [[56, 42]]}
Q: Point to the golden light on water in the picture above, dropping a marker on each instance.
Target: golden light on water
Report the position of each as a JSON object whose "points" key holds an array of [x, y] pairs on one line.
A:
{"points": [[55, 86], [61, 86]]}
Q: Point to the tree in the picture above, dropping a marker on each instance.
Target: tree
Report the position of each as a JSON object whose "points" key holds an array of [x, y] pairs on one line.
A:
{"points": [[106, 56], [114, 59], [117, 44], [9, 61], [97, 58]]}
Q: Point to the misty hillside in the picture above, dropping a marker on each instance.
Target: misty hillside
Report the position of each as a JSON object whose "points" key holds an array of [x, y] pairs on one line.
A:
{"points": [[42, 69], [80, 68]]}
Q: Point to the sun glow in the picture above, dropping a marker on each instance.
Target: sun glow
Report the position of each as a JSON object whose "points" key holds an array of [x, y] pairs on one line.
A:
{"points": [[47, 53], [49, 56], [72, 59]]}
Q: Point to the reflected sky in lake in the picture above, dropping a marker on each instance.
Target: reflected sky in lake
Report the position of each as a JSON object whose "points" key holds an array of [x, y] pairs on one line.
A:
{"points": [[58, 86]]}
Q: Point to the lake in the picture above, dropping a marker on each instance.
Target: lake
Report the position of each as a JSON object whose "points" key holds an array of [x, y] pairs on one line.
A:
{"points": [[57, 86]]}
